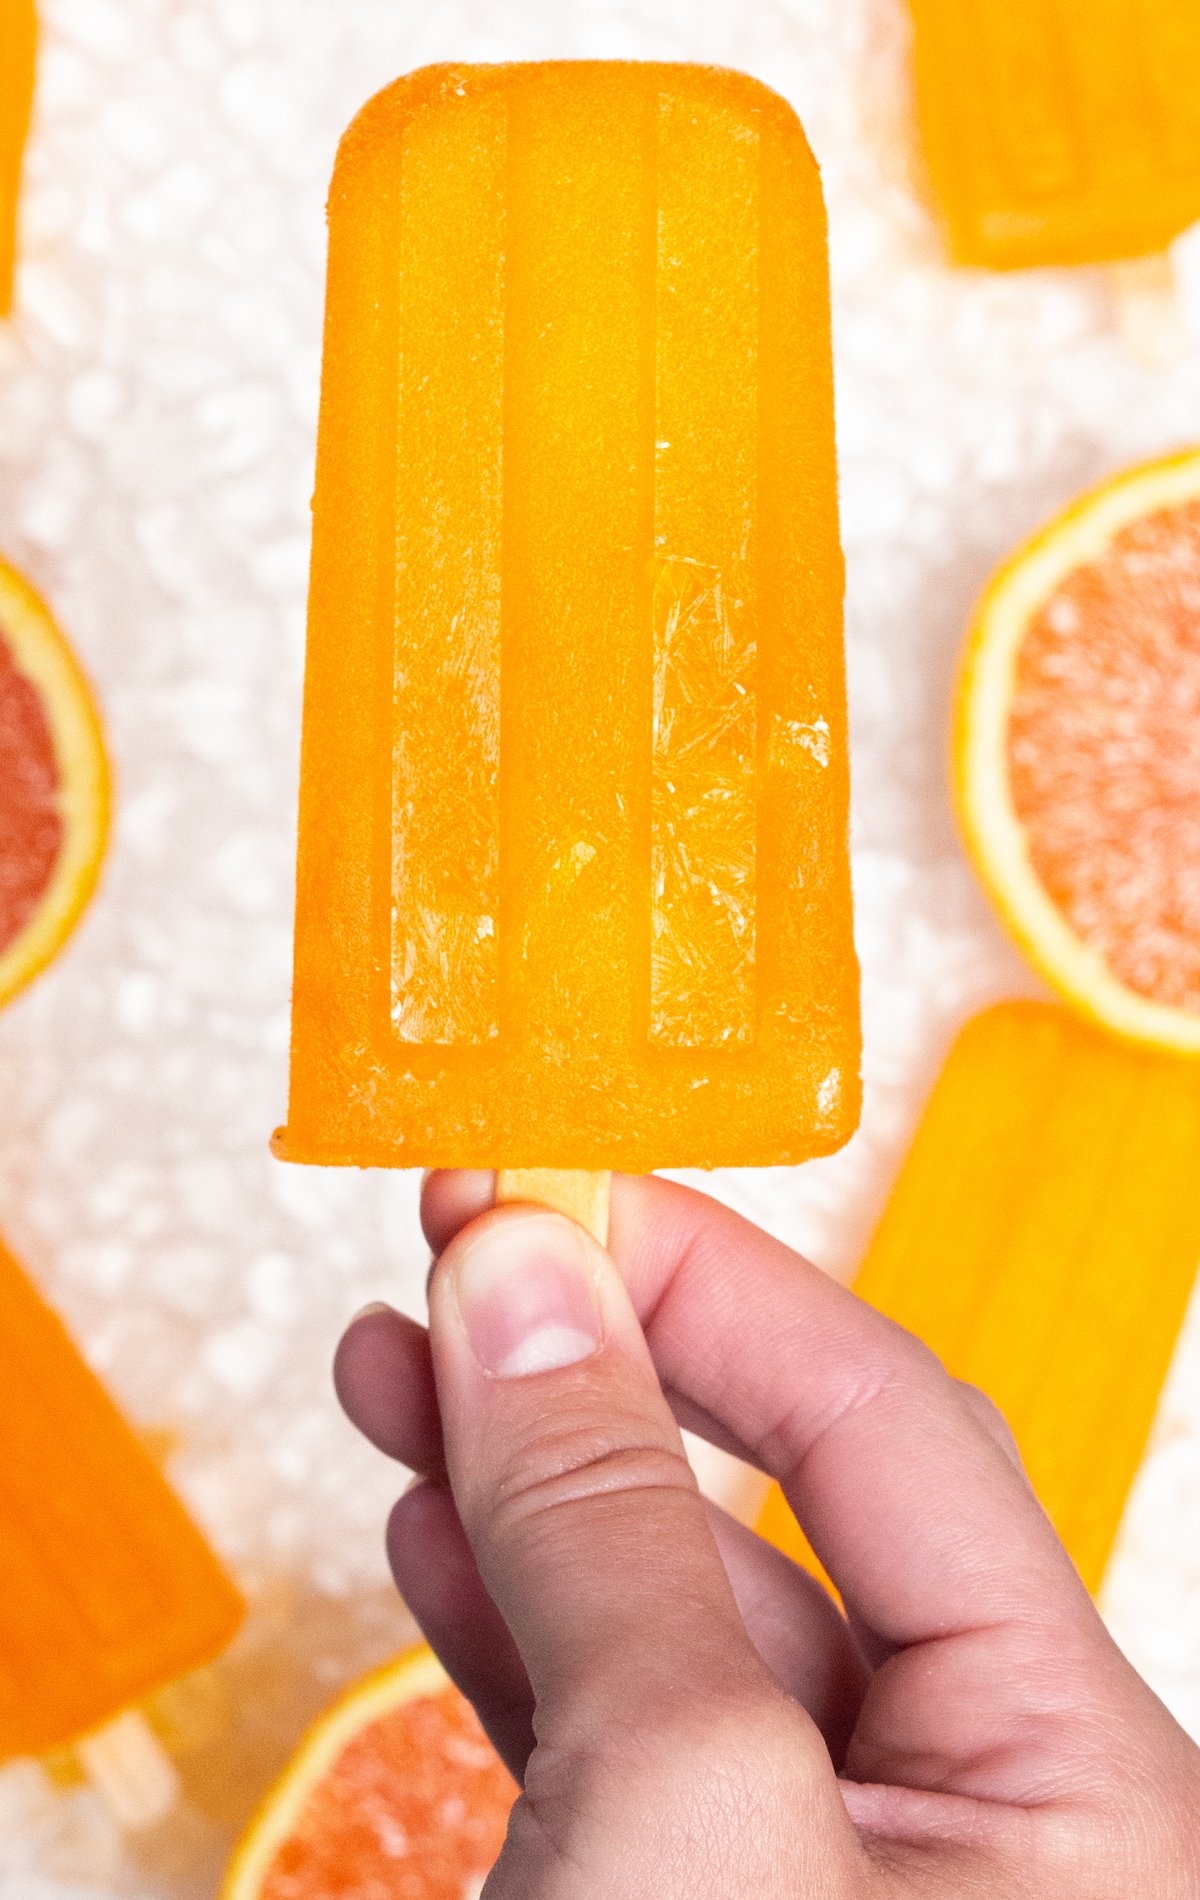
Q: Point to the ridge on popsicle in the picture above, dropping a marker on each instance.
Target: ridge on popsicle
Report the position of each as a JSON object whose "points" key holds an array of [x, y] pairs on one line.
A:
{"points": [[573, 883]]}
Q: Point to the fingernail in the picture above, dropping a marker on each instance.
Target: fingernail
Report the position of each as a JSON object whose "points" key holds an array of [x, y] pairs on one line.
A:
{"points": [[526, 1289], [365, 1312]]}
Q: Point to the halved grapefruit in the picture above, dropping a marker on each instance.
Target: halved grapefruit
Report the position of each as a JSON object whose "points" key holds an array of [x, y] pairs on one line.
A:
{"points": [[395, 1791], [1077, 752], [54, 786]]}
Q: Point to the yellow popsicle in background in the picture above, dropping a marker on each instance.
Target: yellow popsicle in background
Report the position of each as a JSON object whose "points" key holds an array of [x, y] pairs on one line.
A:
{"points": [[1060, 134], [1043, 1237]]}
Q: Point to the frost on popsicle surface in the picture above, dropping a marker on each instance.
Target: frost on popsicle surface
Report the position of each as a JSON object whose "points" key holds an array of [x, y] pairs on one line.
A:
{"points": [[445, 865], [445, 824], [706, 504], [703, 922]]}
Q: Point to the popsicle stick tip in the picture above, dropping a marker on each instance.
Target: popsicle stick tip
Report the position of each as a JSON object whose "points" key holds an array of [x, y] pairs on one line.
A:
{"points": [[131, 1771], [584, 1196], [1149, 310]]}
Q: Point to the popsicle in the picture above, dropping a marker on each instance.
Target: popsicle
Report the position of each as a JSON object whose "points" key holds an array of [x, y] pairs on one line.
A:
{"points": [[18, 47], [573, 889], [107, 1589], [1060, 134], [1043, 1238]]}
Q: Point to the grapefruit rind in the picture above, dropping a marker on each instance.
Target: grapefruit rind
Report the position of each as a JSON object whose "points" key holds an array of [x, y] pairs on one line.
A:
{"points": [[416, 1673], [994, 835], [43, 656]]}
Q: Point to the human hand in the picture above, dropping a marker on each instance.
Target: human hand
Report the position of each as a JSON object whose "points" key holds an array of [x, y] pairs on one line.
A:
{"points": [[687, 1711]]}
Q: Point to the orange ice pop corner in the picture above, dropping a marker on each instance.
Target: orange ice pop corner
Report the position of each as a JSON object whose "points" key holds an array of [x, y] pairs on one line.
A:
{"points": [[107, 1589], [573, 888], [18, 47], [1064, 134]]}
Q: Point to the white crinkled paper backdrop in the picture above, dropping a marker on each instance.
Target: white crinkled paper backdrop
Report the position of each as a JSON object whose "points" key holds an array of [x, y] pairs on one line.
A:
{"points": [[158, 394]]}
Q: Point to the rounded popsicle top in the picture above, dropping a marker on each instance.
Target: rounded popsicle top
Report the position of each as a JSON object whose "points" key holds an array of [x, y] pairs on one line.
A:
{"points": [[572, 884], [381, 121]]}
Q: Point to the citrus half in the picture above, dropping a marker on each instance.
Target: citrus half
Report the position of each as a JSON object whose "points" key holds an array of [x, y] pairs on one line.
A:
{"points": [[54, 786], [1077, 752], [396, 1790]]}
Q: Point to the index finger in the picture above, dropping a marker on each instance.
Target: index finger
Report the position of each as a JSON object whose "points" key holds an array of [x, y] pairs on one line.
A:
{"points": [[920, 1518]]}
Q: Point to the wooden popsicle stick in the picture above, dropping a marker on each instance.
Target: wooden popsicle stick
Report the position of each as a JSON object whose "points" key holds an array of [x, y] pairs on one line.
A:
{"points": [[735, 1487], [584, 1196], [1149, 309], [130, 1770]]}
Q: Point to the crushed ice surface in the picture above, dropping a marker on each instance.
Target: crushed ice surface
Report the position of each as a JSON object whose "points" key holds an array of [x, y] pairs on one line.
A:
{"points": [[158, 391]]}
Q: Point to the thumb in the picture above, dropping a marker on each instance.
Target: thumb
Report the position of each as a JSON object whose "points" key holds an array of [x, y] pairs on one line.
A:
{"points": [[570, 1475]]}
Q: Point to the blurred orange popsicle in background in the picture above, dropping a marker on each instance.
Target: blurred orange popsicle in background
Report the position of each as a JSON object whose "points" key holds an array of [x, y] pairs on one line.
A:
{"points": [[18, 47], [107, 1589], [1043, 1237], [1064, 134], [572, 884]]}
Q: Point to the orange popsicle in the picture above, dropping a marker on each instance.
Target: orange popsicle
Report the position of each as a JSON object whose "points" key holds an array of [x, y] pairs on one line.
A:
{"points": [[1043, 1238], [107, 1589], [572, 881], [1064, 134], [18, 46]]}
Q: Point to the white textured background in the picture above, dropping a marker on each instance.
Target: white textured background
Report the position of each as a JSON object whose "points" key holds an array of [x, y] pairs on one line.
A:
{"points": [[158, 396]]}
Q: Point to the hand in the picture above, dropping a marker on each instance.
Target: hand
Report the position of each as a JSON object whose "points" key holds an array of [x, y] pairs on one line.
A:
{"points": [[689, 1714]]}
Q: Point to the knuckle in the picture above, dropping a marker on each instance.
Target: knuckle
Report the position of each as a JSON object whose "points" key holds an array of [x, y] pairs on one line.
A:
{"points": [[987, 1414], [755, 1729], [892, 1374], [729, 1766], [577, 1465]]}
